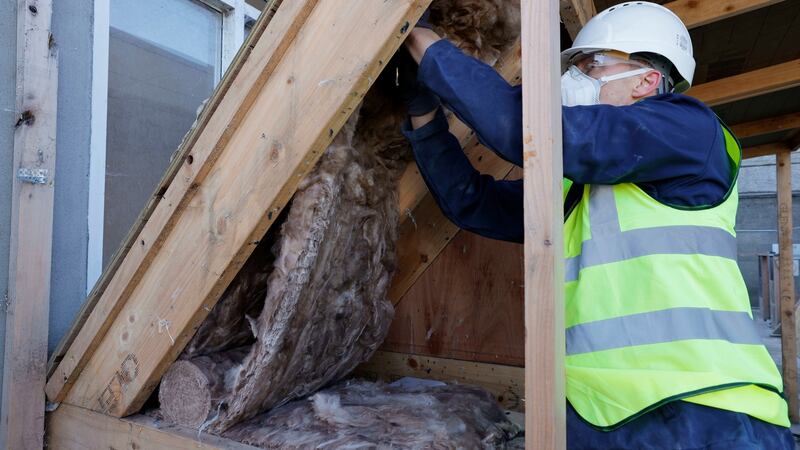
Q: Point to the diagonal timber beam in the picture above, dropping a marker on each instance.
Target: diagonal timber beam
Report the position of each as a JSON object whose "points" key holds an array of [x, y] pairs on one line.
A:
{"points": [[696, 13], [766, 126], [575, 14], [748, 84], [122, 269], [297, 88]]}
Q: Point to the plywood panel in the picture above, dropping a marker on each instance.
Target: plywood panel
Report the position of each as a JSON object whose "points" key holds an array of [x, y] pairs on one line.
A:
{"points": [[467, 305]]}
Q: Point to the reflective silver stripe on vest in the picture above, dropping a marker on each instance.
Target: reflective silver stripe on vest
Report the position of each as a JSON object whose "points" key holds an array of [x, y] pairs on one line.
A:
{"points": [[658, 327], [609, 244]]}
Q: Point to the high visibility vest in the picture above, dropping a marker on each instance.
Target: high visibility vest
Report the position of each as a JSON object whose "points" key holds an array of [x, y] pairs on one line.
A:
{"points": [[657, 310]]}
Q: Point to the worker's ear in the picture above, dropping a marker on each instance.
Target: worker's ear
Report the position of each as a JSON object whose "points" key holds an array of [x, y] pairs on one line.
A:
{"points": [[648, 85]]}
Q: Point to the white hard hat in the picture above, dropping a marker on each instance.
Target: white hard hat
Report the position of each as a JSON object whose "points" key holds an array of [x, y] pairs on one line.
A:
{"points": [[638, 27]]}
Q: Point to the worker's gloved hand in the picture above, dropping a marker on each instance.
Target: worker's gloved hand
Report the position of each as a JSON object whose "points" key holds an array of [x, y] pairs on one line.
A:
{"points": [[418, 99]]}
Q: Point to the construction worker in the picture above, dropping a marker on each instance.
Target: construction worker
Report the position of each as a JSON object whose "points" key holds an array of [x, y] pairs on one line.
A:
{"points": [[661, 349]]}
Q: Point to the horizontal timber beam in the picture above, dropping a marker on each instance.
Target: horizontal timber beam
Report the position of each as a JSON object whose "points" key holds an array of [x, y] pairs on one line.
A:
{"points": [[766, 126], [72, 428], [506, 383], [298, 87], [695, 13], [765, 149], [748, 84]]}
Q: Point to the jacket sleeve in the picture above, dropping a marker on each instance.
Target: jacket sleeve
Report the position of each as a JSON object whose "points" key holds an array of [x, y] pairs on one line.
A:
{"points": [[472, 201], [670, 144], [478, 96]]}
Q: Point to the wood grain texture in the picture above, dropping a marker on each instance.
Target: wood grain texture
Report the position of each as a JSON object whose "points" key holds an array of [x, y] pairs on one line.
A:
{"points": [[468, 305], [424, 230], [506, 383], [748, 84], [695, 13], [249, 69], [177, 162], [783, 168], [763, 272], [764, 149], [72, 428], [575, 14], [25, 359], [766, 126], [308, 92], [545, 420]]}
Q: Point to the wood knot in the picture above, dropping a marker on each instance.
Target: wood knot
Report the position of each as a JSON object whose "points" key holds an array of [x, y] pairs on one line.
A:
{"points": [[26, 118], [33, 9]]}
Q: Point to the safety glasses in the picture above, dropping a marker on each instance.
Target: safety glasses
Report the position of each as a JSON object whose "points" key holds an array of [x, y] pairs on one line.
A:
{"points": [[588, 62]]}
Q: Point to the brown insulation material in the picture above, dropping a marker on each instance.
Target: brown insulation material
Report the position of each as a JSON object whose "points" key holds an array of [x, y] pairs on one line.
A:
{"points": [[325, 308], [311, 301], [365, 415], [230, 323]]}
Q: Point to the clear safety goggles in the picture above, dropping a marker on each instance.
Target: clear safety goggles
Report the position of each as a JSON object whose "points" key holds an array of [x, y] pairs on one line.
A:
{"points": [[586, 62]]}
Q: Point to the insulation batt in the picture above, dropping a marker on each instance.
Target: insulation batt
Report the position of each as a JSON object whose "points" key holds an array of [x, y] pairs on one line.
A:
{"points": [[325, 308], [365, 415], [310, 303]]}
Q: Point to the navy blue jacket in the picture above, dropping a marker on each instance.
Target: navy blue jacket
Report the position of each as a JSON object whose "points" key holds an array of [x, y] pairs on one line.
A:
{"points": [[670, 145]]}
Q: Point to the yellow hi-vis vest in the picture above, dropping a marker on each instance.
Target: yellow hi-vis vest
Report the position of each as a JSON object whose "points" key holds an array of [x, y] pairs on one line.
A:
{"points": [[657, 310]]}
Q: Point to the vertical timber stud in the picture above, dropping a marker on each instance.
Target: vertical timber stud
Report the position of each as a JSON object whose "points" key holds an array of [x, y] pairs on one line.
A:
{"points": [[22, 411], [785, 288], [545, 420]]}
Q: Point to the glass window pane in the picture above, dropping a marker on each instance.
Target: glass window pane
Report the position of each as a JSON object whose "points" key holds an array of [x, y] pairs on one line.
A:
{"points": [[164, 59]]}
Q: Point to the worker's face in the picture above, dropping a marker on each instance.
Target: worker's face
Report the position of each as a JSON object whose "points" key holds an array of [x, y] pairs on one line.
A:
{"points": [[625, 91]]}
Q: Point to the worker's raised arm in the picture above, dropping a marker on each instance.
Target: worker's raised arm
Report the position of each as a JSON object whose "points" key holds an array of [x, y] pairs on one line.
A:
{"points": [[472, 201], [473, 90]]}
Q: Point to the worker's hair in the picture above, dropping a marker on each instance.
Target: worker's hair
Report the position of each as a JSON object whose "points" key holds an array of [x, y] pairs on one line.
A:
{"points": [[660, 64]]}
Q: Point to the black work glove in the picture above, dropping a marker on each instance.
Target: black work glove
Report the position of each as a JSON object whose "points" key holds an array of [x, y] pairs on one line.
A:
{"points": [[419, 100]]}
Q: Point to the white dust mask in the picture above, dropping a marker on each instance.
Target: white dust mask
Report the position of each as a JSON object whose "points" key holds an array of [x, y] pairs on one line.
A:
{"points": [[577, 88]]}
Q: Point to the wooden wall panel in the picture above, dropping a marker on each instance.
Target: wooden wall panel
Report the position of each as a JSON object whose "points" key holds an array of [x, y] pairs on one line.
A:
{"points": [[468, 305]]}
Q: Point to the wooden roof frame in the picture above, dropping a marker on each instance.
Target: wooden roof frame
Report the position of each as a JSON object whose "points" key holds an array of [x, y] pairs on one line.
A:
{"points": [[424, 232]]}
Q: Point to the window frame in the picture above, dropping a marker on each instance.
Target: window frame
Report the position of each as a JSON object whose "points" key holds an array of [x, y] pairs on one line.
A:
{"points": [[235, 13]]}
